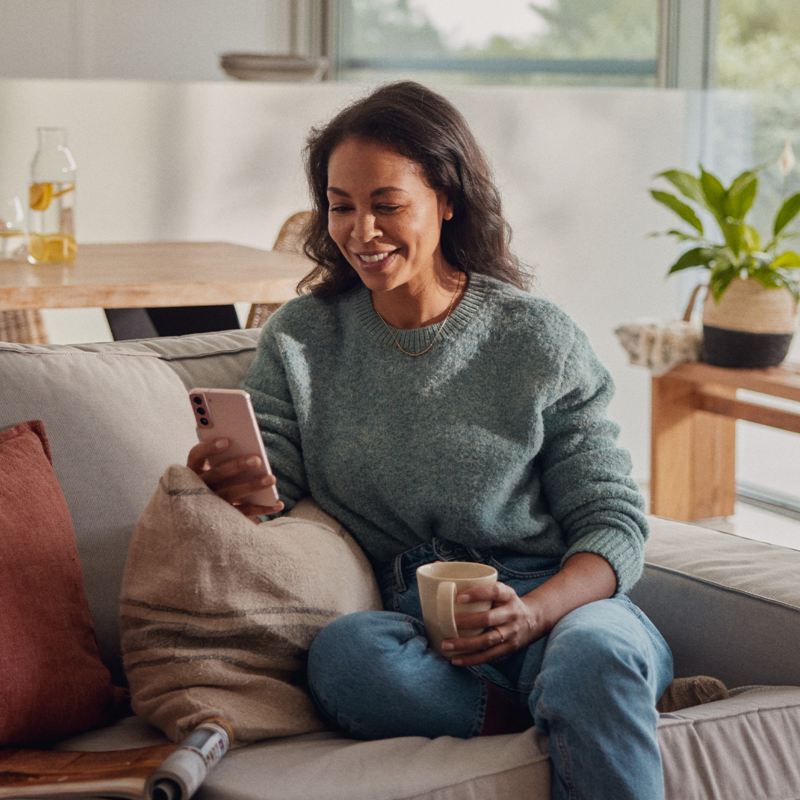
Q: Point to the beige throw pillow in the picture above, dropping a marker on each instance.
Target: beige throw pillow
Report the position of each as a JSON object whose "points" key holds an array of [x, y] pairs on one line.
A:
{"points": [[217, 613]]}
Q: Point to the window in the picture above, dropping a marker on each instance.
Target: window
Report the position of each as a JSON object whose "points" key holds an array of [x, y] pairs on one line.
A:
{"points": [[524, 42]]}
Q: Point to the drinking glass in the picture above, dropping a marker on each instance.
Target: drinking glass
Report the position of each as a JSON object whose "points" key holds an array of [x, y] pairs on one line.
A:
{"points": [[12, 227]]}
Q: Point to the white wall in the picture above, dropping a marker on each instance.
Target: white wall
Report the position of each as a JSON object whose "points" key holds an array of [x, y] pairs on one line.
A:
{"points": [[136, 39]]}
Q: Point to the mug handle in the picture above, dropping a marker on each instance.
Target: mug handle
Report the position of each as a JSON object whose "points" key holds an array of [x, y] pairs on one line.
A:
{"points": [[445, 609]]}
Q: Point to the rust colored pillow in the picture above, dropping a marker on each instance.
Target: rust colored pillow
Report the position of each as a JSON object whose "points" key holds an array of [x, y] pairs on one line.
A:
{"points": [[52, 681]]}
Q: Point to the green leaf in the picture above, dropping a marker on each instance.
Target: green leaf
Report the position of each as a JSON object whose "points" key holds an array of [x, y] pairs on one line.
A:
{"points": [[720, 281], [696, 257], [686, 183], [714, 194], [681, 236], [734, 233], [741, 194], [752, 238], [685, 212], [786, 213], [786, 260], [767, 278]]}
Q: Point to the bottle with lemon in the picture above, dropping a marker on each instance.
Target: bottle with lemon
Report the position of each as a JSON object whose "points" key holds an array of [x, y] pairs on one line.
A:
{"points": [[51, 200]]}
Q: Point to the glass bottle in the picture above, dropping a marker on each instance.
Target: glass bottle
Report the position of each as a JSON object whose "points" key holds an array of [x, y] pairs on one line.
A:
{"points": [[51, 199]]}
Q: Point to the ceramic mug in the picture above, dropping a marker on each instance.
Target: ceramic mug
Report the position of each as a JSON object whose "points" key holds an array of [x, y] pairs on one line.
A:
{"points": [[439, 584]]}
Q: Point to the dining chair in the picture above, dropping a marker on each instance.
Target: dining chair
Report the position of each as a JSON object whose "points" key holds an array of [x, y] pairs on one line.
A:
{"points": [[290, 239], [23, 325]]}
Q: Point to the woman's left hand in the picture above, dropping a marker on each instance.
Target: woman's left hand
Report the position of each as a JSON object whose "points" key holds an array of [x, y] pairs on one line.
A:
{"points": [[509, 625]]}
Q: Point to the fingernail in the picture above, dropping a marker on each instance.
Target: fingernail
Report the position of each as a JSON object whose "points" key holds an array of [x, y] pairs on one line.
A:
{"points": [[265, 480], [448, 646], [221, 443], [253, 461], [462, 598], [457, 661]]}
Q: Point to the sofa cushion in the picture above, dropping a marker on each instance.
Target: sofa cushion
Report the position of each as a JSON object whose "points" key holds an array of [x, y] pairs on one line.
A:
{"points": [[727, 606], [218, 612], [219, 359], [52, 681], [743, 747]]}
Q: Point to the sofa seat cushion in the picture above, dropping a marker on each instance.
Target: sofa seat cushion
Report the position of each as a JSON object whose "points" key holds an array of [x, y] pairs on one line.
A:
{"points": [[727, 606], [743, 747]]}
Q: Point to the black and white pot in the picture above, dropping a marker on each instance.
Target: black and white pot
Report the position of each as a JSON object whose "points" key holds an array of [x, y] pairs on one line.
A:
{"points": [[751, 326]]}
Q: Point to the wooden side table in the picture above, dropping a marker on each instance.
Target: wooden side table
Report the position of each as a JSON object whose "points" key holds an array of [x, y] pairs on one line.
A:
{"points": [[693, 433]]}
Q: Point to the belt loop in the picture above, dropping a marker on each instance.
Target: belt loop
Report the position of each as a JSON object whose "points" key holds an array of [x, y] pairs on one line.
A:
{"points": [[477, 555], [399, 581], [440, 549]]}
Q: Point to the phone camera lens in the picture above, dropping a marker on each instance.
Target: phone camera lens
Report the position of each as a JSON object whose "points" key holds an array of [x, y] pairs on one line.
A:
{"points": [[197, 400], [203, 421], [201, 411]]}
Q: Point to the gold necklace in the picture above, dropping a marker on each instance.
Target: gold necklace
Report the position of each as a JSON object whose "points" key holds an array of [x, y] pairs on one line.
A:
{"points": [[396, 338]]}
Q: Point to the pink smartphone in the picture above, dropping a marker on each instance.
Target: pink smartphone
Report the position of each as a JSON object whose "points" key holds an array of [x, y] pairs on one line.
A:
{"points": [[228, 414]]}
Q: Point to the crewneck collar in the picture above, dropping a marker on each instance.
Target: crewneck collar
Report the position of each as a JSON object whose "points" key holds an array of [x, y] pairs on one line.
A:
{"points": [[416, 339]]}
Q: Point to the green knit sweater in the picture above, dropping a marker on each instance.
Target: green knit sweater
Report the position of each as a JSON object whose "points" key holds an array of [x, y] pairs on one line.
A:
{"points": [[497, 437]]}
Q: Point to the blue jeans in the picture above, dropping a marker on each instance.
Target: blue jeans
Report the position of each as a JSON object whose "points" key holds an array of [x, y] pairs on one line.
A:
{"points": [[591, 685]]}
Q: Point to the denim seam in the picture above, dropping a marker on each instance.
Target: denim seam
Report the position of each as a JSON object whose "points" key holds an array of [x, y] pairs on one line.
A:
{"points": [[480, 716], [560, 743]]}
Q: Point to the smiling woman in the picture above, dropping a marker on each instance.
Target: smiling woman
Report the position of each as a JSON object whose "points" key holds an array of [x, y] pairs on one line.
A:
{"points": [[441, 413]]}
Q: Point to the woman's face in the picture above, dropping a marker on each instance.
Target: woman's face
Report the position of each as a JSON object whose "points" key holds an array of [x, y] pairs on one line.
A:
{"points": [[384, 217]]}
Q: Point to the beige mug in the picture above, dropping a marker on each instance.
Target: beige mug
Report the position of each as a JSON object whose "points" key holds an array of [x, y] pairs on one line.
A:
{"points": [[439, 584]]}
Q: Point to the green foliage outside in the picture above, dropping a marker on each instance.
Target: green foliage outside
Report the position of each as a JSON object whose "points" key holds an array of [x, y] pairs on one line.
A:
{"points": [[758, 45]]}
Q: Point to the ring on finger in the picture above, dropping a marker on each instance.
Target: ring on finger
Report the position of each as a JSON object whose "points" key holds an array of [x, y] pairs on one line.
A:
{"points": [[502, 635]]}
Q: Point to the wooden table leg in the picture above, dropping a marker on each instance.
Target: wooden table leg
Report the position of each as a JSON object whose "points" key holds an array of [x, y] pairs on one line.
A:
{"points": [[693, 453]]}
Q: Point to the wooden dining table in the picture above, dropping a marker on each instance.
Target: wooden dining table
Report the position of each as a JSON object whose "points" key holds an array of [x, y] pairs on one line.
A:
{"points": [[154, 274]]}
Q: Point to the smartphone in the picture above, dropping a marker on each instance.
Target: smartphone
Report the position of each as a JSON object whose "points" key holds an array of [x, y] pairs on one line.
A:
{"points": [[228, 414]]}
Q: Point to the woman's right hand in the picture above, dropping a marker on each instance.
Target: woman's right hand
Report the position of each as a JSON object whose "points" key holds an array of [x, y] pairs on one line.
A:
{"points": [[227, 478]]}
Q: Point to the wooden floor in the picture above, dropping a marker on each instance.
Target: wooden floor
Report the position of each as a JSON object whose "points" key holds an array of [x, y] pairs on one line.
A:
{"points": [[752, 522]]}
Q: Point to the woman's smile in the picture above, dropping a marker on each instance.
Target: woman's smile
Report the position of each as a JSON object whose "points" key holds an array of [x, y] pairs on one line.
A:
{"points": [[376, 261]]}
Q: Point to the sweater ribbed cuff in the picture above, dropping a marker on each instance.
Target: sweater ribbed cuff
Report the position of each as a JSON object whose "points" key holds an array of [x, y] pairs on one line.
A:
{"points": [[624, 555]]}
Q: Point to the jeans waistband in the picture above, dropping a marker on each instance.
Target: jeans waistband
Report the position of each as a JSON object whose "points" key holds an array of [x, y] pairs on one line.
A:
{"points": [[398, 573]]}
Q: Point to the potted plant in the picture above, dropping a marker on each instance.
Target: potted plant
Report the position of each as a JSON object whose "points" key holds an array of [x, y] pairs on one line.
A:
{"points": [[750, 311]]}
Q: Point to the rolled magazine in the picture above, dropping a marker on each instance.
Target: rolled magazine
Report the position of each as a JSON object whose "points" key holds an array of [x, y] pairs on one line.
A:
{"points": [[182, 772], [157, 772]]}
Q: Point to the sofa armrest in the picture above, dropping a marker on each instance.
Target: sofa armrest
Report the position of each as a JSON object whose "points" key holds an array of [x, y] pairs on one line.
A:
{"points": [[728, 606]]}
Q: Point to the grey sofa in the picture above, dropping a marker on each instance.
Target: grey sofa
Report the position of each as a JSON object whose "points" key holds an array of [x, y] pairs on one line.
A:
{"points": [[117, 414]]}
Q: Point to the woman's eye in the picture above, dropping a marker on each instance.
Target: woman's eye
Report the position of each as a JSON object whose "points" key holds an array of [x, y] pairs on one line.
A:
{"points": [[387, 209], [338, 209]]}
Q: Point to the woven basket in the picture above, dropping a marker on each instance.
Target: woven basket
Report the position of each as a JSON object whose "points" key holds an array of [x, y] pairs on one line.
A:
{"points": [[751, 326]]}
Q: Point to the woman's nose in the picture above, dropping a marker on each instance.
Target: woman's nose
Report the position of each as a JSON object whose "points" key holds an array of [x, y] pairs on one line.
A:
{"points": [[365, 228]]}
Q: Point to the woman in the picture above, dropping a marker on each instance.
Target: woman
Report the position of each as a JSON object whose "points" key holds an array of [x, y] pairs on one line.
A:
{"points": [[440, 412]]}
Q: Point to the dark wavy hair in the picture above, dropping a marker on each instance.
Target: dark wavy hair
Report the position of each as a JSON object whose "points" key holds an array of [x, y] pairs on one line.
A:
{"points": [[422, 126]]}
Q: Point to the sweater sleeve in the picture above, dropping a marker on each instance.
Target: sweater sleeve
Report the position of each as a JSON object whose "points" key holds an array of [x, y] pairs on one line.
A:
{"points": [[585, 476], [269, 390]]}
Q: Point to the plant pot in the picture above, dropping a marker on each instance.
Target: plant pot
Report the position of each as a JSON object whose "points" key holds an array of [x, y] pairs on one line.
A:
{"points": [[750, 327]]}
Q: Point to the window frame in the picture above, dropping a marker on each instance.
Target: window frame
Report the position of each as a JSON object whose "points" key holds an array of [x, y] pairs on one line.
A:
{"points": [[684, 58]]}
